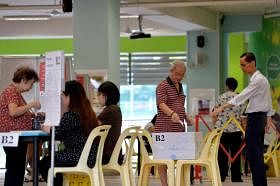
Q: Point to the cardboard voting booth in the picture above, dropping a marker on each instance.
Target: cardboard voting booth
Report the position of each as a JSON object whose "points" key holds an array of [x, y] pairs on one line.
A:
{"points": [[176, 145]]}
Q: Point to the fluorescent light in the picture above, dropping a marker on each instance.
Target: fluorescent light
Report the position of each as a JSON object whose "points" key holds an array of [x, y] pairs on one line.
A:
{"points": [[27, 18], [128, 16]]}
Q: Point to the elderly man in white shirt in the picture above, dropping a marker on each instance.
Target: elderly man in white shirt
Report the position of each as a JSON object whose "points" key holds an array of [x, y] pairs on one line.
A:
{"points": [[259, 112]]}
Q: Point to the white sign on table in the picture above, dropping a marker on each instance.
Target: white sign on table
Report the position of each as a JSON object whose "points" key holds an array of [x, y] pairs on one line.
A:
{"points": [[54, 84], [176, 145], [9, 139]]}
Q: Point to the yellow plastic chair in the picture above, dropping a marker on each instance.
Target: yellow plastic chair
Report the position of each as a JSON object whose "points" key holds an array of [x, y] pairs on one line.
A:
{"points": [[148, 162], [208, 158], [125, 169], [96, 173], [271, 153]]}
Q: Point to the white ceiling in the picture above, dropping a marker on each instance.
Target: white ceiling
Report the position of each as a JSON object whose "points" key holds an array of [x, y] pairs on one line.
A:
{"points": [[160, 17]]}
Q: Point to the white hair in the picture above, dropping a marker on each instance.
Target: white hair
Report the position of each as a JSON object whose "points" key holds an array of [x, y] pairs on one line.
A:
{"points": [[177, 63]]}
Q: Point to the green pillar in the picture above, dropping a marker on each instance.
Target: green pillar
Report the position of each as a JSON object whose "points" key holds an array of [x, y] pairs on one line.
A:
{"points": [[96, 36]]}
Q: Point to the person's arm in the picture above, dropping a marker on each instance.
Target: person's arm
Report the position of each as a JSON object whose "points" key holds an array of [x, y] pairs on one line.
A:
{"points": [[15, 110], [213, 116], [248, 92], [220, 109], [165, 109], [218, 103]]}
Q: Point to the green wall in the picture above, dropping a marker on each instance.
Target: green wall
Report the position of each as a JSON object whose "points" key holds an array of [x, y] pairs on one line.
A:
{"points": [[40, 46], [236, 48], [34, 46], [266, 46]]}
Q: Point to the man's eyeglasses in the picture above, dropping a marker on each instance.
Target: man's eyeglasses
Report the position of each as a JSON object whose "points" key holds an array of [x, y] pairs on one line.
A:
{"points": [[244, 65]]}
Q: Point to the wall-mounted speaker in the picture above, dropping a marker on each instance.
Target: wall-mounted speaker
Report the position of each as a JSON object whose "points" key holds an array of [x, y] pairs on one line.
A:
{"points": [[67, 5], [200, 41]]}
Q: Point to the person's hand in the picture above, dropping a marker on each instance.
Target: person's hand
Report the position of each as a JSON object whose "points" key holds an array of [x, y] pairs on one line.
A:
{"points": [[35, 105], [215, 112], [46, 128], [175, 117], [268, 123], [213, 116], [190, 120]]}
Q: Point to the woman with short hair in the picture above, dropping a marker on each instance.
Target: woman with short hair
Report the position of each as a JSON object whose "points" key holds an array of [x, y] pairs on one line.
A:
{"points": [[108, 97], [16, 115]]}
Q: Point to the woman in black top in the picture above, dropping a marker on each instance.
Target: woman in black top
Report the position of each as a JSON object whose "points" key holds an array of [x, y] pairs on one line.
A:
{"points": [[75, 126]]}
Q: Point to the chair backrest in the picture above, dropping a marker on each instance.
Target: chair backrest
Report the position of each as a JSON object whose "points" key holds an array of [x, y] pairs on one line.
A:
{"points": [[130, 133], [272, 147], [144, 133], [211, 146], [100, 131], [273, 143]]}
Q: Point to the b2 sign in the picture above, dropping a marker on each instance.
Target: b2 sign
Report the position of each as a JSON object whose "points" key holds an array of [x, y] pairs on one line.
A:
{"points": [[176, 145], [9, 139]]}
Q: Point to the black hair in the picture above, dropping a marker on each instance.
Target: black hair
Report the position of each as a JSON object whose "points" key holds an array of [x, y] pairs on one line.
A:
{"points": [[111, 92], [231, 83], [249, 57], [80, 104]]}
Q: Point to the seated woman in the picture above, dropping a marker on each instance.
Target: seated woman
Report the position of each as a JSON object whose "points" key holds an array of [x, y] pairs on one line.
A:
{"points": [[108, 97], [75, 126]]}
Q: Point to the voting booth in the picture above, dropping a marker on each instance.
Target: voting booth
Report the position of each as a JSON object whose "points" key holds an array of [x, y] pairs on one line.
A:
{"points": [[176, 145]]}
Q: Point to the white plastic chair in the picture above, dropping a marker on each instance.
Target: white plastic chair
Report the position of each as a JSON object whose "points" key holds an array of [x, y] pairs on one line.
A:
{"points": [[96, 173], [208, 158], [271, 153], [125, 169], [147, 162]]}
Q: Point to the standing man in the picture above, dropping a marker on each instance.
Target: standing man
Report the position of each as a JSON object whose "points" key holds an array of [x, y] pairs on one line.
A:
{"points": [[170, 105], [259, 111]]}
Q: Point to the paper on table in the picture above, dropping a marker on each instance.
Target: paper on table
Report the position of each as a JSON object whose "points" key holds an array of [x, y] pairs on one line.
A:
{"points": [[182, 123]]}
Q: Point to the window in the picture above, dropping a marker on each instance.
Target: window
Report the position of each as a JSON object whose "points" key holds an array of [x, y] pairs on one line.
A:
{"points": [[140, 74]]}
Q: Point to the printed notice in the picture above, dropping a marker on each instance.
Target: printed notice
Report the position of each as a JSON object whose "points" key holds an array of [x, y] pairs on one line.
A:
{"points": [[54, 83]]}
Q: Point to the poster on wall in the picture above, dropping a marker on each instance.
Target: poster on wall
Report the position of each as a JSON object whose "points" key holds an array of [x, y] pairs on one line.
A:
{"points": [[273, 73], [201, 101], [42, 71], [54, 84], [266, 46]]}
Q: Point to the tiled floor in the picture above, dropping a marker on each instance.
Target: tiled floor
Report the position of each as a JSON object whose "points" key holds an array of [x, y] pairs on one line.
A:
{"points": [[115, 181]]}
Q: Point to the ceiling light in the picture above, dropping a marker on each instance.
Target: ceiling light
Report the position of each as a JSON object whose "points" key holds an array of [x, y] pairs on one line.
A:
{"points": [[128, 16], [27, 18]]}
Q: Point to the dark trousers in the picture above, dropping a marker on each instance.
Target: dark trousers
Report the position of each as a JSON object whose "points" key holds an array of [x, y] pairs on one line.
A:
{"points": [[231, 142], [45, 164], [15, 164], [254, 146]]}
